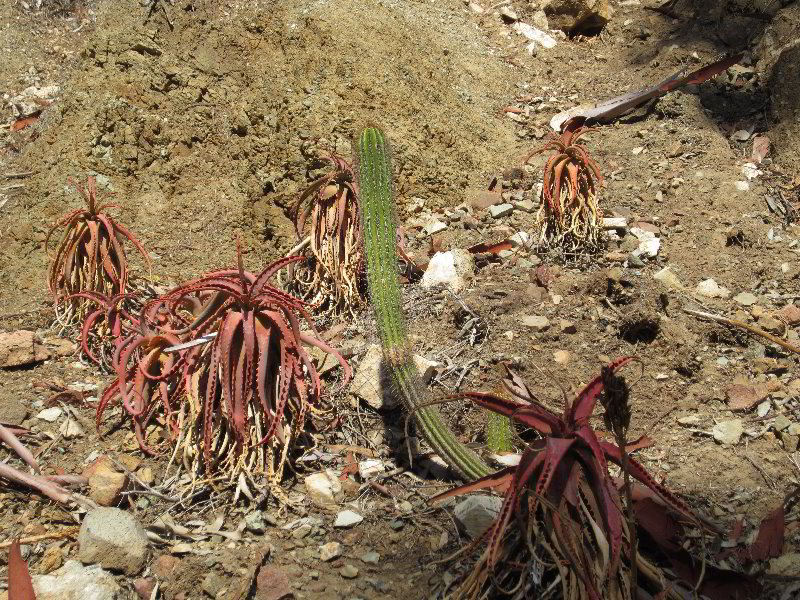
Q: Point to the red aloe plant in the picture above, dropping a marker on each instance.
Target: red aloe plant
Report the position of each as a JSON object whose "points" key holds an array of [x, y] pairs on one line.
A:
{"points": [[104, 327], [569, 213], [563, 481], [91, 255], [332, 277], [240, 386]]}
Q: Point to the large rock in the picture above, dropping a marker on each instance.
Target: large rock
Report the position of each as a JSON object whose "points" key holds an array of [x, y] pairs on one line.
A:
{"points": [[113, 539], [73, 581], [475, 514], [19, 348], [373, 380], [577, 16]]}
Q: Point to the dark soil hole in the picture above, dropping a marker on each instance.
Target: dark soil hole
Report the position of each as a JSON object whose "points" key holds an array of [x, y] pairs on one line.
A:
{"points": [[639, 329]]}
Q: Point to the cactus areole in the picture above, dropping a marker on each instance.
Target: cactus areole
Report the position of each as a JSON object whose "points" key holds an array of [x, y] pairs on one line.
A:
{"points": [[379, 227]]}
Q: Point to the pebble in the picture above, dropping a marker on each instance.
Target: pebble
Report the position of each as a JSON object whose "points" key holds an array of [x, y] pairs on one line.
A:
{"points": [[330, 551], [114, 539], [302, 531], [106, 484], [520, 238], [349, 572], [254, 522], [322, 488], [347, 518], [561, 356], [501, 210], [668, 278], [371, 557], [711, 289], [567, 326], [535, 322], [435, 226], [745, 298], [742, 186], [525, 206], [71, 429], [728, 433], [454, 269]]}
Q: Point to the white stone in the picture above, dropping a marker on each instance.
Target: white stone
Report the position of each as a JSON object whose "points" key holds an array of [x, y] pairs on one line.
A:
{"points": [[615, 223], [520, 238], [728, 433], [347, 518], [71, 429], [536, 322], [50, 414], [536, 36], [370, 468], [751, 171], [711, 289], [476, 514], [435, 226], [454, 269], [73, 581], [373, 382], [501, 210], [322, 488], [742, 186]]}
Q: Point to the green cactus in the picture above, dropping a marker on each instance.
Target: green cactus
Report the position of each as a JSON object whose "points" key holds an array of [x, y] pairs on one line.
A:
{"points": [[498, 433], [379, 227]]}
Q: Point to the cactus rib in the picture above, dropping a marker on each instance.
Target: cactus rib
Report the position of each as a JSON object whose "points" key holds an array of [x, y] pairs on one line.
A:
{"points": [[377, 201]]}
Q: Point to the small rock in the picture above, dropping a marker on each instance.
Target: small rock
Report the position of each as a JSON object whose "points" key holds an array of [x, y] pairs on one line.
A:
{"points": [[689, 420], [483, 199], [371, 557], [454, 269], [501, 210], [711, 289], [19, 348], [50, 415], [163, 566], [73, 581], [745, 396], [668, 278], [745, 298], [369, 468], [51, 560], [615, 223], [536, 322], [476, 513], [145, 475], [525, 206], [144, 587], [742, 186], [728, 433], [790, 313], [567, 326], [60, 346], [254, 522], [272, 583], [322, 488], [561, 356], [649, 244], [330, 551], [106, 484], [301, 532], [772, 325], [347, 518], [349, 572], [114, 539], [434, 226], [781, 423], [213, 584], [634, 262]]}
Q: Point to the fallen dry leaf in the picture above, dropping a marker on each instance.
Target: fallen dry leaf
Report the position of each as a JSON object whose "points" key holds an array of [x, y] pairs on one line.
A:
{"points": [[769, 540], [486, 248], [761, 145]]}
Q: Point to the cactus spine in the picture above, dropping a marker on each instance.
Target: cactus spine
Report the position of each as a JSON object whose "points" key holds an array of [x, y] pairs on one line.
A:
{"points": [[379, 229]]}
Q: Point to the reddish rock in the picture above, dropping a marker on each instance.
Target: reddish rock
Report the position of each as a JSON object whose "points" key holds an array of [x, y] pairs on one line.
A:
{"points": [[790, 313], [272, 583], [484, 199], [163, 566], [144, 587], [19, 348], [106, 484]]}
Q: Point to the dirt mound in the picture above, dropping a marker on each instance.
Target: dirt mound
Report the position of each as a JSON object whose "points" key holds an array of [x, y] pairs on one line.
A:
{"points": [[205, 122]]}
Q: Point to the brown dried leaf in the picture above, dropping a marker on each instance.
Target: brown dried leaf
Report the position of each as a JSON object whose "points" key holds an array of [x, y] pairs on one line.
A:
{"points": [[769, 541], [761, 145], [487, 248]]}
